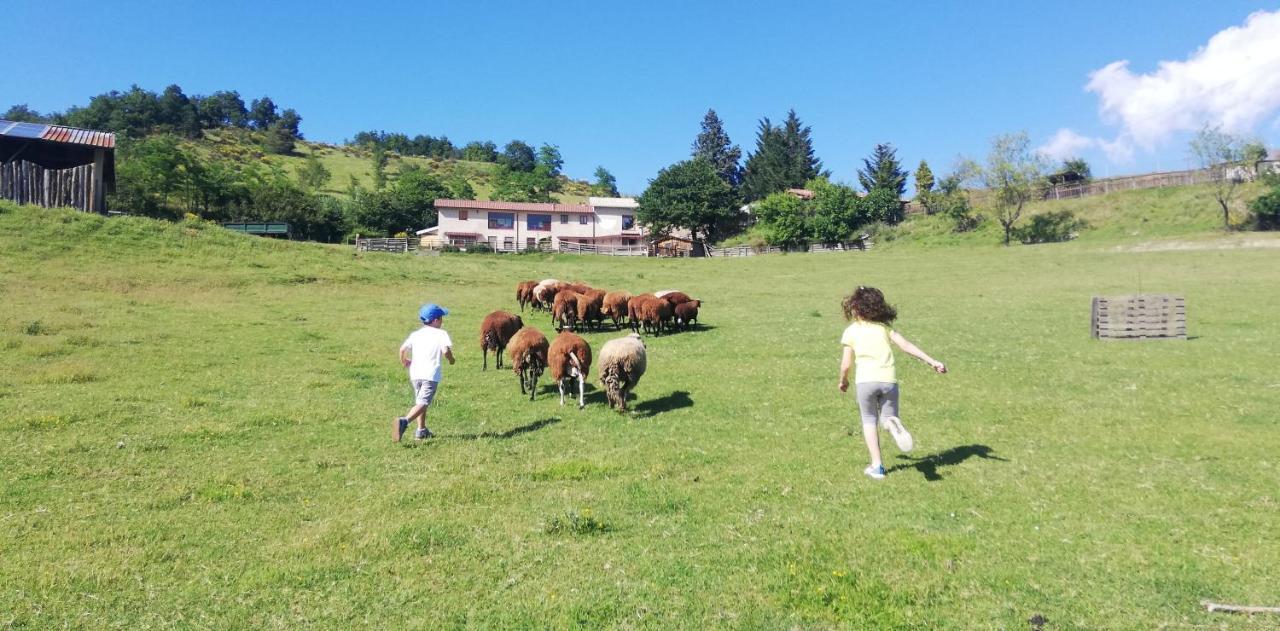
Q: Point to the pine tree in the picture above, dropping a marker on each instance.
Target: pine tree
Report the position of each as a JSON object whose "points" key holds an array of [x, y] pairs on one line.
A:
{"points": [[714, 146], [924, 180], [803, 165], [783, 159], [883, 171]]}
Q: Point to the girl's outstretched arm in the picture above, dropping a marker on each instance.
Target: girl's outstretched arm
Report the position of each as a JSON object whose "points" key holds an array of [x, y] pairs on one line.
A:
{"points": [[846, 361], [912, 350]]}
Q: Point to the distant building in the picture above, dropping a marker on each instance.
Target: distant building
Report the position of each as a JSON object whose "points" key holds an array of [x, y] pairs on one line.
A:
{"points": [[511, 226], [51, 165]]}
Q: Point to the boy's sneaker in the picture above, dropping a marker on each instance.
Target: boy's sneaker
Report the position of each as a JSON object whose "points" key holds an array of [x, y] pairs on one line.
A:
{"points": [[899, 433], [397, 430], [423, 434], [875, 472]]}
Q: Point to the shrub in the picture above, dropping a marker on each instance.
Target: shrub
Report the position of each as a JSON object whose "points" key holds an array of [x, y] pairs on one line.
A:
{"points": [[1053, 227], [574, 523], [1266, 210]]}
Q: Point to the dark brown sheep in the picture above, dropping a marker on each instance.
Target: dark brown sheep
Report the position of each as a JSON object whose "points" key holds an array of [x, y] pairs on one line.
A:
{"points": [[524, 293], [687, 313], [495, 331], [528, 349], [570, 358], [564, 310], [589, 306], [633, 310], [615, 307]]}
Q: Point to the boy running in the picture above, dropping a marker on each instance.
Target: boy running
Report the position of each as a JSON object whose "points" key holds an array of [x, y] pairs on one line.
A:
{"points": [[421, 353]]}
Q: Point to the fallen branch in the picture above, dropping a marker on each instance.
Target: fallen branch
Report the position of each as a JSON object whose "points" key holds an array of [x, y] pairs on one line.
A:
{"points": [[1212, 607]]}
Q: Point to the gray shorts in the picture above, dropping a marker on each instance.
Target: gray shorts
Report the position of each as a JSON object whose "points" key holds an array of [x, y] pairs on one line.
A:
{"points": [[424, 391], [877, 400]]}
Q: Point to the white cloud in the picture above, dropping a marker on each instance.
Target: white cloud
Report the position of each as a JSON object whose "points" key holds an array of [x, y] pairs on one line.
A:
{"points": [[1233, 81], [1066, 144]]}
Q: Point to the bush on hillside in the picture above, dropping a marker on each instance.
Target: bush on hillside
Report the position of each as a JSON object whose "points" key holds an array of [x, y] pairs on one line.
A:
{"points": [[1266, 210], [1051, 227]]}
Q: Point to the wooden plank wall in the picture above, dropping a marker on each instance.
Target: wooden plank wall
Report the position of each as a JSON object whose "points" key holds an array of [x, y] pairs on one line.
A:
{"points": [[29, 183], [1139, 317]]}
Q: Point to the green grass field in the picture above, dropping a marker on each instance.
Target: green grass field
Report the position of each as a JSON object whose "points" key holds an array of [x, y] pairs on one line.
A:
{"points": [[194, 433]]}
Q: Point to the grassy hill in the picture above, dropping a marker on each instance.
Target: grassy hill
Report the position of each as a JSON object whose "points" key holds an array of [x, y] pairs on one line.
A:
{"points": [[194, 432], [1125, 216], [345, 162]]}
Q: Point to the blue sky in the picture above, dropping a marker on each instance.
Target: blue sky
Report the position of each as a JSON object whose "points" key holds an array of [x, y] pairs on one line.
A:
{"points": [[625, 85]]}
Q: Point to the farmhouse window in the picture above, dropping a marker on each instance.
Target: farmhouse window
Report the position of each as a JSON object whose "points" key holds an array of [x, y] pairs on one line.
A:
{"points": [[502, 221], [462, 215], [508, 243], [564, 218], [539, 222], [628, 222], [531, 243], [583, 219]]}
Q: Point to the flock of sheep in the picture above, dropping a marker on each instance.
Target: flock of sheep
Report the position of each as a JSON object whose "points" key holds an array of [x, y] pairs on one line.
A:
{"points": [[622, 361]]}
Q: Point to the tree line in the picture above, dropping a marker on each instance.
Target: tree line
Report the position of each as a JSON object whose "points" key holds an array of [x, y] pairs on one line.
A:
{"points": [[137, 113]]}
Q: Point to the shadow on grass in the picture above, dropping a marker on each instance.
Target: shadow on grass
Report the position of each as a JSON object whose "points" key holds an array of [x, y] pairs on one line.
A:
{"points": [[928, 465], [674, 401], [511, 433]]}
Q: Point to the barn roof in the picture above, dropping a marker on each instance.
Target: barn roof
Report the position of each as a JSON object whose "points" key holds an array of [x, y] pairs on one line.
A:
{"points": [[58, 134]]}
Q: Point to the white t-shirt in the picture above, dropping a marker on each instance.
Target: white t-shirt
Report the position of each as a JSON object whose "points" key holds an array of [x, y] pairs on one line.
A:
{"points": [[427, 347]]}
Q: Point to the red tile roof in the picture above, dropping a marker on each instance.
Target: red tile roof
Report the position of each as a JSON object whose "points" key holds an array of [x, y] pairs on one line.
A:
{"points": [[513, 206]]}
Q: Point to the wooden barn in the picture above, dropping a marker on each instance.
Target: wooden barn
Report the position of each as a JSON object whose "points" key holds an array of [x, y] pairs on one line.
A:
{"points": [[51, 165]]}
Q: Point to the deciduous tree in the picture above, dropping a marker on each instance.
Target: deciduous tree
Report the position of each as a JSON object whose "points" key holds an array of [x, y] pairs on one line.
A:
{"points": [[688, 195], [1221, 154], [1011, 175]]}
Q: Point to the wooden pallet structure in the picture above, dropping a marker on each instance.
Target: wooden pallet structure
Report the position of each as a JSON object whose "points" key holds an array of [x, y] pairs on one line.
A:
{"points": [[1142, 317]]}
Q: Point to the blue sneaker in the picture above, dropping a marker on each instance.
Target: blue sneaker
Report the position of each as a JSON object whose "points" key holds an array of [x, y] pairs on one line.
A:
{"points": [[397, 430], [874, 472], [423, 434]]}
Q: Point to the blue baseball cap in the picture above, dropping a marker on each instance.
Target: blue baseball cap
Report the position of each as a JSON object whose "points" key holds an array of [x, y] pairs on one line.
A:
{"points": [[431, 311]]}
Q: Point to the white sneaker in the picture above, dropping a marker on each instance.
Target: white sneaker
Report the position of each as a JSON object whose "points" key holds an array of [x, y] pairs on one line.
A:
{"points": [[874, 472], [899, 432]]}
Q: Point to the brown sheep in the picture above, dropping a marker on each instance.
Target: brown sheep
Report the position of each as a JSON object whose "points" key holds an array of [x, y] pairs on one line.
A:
{"points": [[545, 292], [633, 310], [653, 314], [687, 313], [615, 307], [570, 358], [528, 349], [524, 293], [675, 297], [564, 311], [495, 331], [589, 306], [622, 362]]}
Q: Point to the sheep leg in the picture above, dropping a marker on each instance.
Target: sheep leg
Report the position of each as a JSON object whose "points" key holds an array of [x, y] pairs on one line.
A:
{"points": [[497, 358], [560, 384], [582, 391], [484, 354]]}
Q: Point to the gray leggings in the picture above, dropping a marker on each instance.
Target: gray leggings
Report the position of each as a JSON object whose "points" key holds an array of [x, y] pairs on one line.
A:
{"points": [[877, 399]]}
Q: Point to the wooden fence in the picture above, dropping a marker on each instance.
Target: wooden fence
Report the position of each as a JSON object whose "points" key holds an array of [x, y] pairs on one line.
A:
{"points": [[860, 245], [1126, 183], [29, 183], [607, 250], [395, 244]]}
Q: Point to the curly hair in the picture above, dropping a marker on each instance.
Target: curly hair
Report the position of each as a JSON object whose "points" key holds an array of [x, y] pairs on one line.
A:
{"points": [[868, 304]]}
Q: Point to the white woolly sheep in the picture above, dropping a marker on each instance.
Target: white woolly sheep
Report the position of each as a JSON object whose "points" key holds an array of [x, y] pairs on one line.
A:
{"points": [[622, 364], [570, 358]]}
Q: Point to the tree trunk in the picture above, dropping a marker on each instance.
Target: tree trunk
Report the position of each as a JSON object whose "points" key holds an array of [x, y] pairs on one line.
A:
{"points": [[1226, 214]]}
